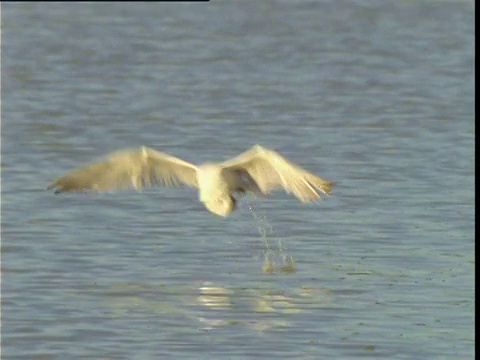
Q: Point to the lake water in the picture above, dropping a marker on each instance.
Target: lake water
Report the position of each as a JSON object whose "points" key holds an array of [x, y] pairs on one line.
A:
{"points": [[375, 95]]}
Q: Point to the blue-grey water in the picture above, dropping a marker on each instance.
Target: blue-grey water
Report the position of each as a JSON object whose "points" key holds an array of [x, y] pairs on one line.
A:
{"points": [[375, 95]]}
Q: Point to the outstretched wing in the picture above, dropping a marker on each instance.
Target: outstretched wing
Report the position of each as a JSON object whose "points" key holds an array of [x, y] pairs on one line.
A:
{"points": [[270, 171], [131, 168]]}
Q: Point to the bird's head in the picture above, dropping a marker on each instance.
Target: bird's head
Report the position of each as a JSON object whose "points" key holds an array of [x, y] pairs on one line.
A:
{"points": [[222, 206]]}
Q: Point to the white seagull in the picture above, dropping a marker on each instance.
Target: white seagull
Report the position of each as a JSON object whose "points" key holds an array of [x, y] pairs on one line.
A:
{"points": [[258, 170]]}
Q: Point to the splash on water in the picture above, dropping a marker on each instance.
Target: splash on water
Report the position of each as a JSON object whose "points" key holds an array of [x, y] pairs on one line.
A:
{"points": [[275, 259]]}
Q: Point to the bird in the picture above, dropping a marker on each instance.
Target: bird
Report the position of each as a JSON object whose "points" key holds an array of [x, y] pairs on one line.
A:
{"points": [[258, 170]]}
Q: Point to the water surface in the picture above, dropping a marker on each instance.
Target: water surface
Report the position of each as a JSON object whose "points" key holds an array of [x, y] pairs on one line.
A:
{"points": [[377, 96]]}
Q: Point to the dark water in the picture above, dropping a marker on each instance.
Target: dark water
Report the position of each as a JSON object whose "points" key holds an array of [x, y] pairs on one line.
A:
{"points": [[376, 95]]}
